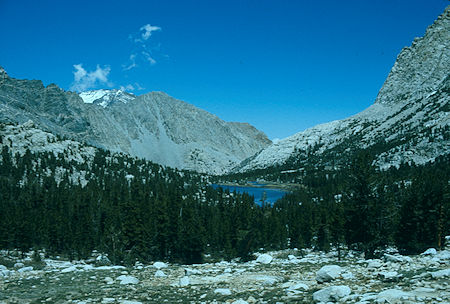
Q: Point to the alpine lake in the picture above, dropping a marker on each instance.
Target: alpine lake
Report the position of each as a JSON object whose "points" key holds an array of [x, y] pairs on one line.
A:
{"points": [[260, 192]]}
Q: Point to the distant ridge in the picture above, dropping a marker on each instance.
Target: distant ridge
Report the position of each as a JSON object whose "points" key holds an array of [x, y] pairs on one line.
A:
{"points": [[153, 126]]}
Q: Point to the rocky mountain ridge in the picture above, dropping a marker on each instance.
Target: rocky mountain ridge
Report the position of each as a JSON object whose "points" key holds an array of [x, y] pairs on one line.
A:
{"points": [[106, 97], [409, 121], [153, 126]]}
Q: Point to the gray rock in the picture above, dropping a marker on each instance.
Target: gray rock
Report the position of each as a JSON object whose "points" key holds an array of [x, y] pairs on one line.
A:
{"points": [[268, 280], [240, 301], [429, 251], [328, 273], [347, 275], [160, 274], [223, 291], [109, 280], [160, 265], [392, 296], [297, 286], [190, 271], [374, 264], [184, 281], [127, 279], [102, 260], [331, 294], [396, 258], [5, 273], [444, 273], [25, 269], [264, 259], [389, 275]]}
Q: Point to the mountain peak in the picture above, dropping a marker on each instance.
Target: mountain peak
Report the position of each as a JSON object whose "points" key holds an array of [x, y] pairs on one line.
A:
{"points": [[3, 73], [106, 97], [421, 67], [408, 122]]}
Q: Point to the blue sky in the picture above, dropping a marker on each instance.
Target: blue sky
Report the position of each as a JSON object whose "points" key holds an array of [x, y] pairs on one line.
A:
{"points": [[282, 66]]}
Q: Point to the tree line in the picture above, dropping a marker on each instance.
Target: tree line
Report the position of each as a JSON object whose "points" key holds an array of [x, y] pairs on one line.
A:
{"points": [[133, 209]]}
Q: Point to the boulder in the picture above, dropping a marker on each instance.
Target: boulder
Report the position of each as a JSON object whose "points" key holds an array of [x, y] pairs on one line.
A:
{"points": [[348, 275], [184, 281], [264, 259], [374, 264], [389, 275], [25, 269], [109, 280], [69, 269], [429, 251], [160, 265], [160, 274], [443, 256], [102, 260], [19, 265], [328, 273], [267, 280], [240, 301], [5, 273], [223, 291], [88, 267], [394, 258], [190, 271], [126, 279], [440, 274], [297, 287], [392, 296], [331, 294], [293, 259]]}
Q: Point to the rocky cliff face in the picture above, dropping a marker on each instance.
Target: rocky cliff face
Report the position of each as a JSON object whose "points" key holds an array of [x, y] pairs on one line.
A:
{"points": [[154, 126], [409, 121], [421, 68]]}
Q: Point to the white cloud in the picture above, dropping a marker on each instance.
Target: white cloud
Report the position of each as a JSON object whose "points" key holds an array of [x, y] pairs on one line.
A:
{"points": [[146, 31], [132, 87], [148, 57], [83, 80], [132, 64], [139, 87], [80, 73], [144, 50], [128, 87]]}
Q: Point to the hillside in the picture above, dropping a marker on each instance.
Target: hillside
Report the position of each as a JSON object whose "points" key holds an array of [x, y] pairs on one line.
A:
{"points": [[409, 121], [153, 126]]}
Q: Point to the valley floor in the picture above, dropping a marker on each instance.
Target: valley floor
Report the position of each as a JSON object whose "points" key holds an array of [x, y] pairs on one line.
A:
{"points": [[288, 276]]}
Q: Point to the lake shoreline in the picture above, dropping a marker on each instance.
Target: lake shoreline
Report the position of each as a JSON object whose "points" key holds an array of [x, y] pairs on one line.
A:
{"points": [[262, 193], [270, 185]]}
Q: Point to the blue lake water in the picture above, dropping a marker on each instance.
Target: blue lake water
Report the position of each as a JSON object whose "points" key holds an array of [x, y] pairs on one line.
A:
{"points": [[272, 195]]}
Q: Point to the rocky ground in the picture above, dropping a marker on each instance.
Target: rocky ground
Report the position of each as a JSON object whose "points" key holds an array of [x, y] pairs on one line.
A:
{"points": [[290, 276]]}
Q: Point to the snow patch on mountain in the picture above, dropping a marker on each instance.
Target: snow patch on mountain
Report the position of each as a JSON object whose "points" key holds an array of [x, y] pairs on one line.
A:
{"points": [[106, 97]]}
